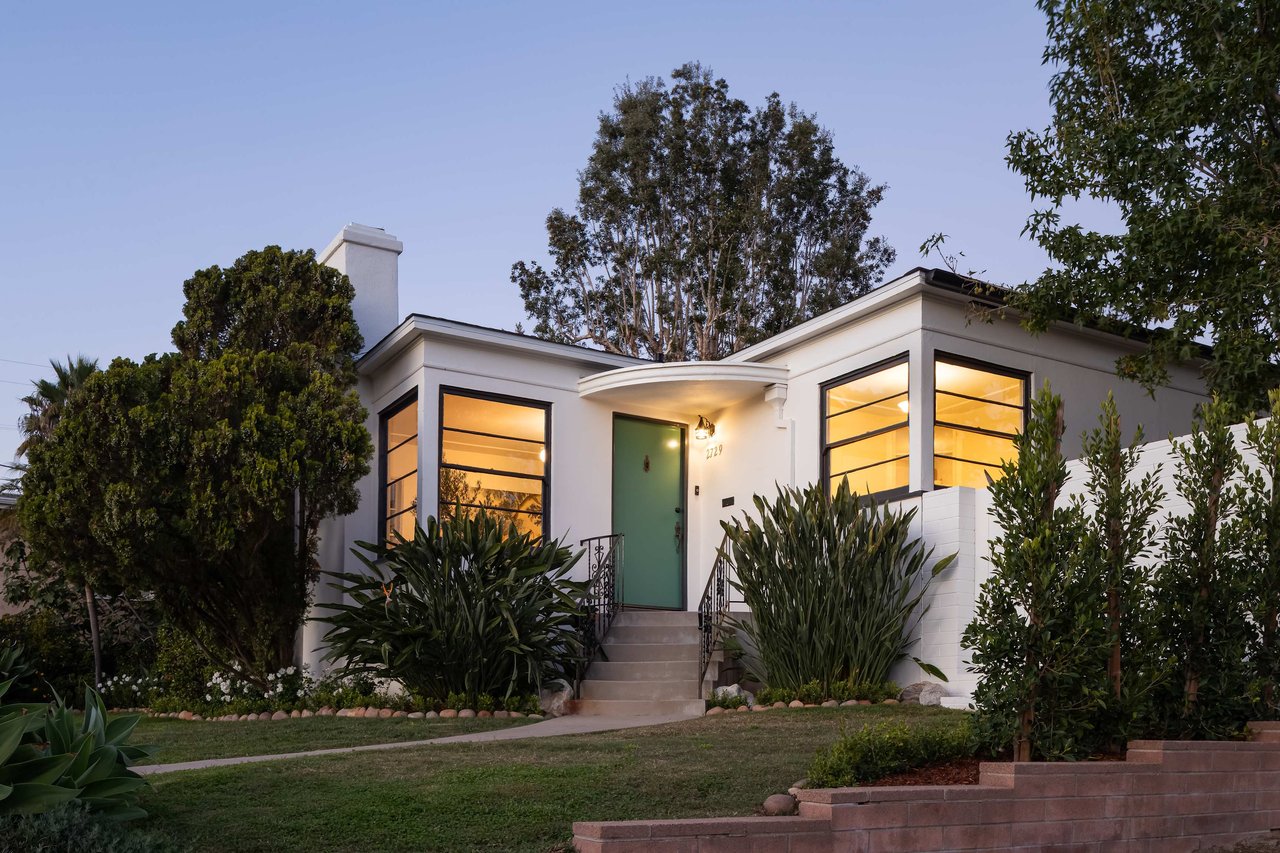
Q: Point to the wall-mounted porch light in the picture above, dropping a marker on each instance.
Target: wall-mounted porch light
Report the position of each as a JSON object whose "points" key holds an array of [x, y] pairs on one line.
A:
{"points": [[704, 430]]}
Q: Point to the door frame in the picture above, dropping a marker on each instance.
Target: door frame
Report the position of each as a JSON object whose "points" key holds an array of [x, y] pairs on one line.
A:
{"points": [[684, 504]]}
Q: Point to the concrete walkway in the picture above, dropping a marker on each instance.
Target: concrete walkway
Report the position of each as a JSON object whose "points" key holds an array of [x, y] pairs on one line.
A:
{"points": [[554, 727]]}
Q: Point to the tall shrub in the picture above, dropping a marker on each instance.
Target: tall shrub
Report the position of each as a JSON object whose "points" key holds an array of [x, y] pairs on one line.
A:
{"points": [[1200, 620], [1261, 528], [1120, 535], [469, 606], [835, 585], [1037, 634]]}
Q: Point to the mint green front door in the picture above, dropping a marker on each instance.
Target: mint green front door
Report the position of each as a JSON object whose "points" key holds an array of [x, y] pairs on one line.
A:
{"points": [[648, 510]]}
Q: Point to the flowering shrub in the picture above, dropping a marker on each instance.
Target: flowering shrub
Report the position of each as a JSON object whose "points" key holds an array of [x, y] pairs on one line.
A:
{"points": [[127, 691]]}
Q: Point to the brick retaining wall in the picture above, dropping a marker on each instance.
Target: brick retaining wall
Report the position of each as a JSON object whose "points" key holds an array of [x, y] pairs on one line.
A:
{"points": [[1166, 796]]}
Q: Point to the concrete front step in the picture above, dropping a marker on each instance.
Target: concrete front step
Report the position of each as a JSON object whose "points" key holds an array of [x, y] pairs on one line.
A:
{"points": [[593, 688], [652, 634], [655, 617], [650, 670], [615, 651], [637, 707]]}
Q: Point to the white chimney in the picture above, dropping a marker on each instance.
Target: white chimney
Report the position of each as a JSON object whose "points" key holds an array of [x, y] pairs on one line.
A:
{"points": [[370, 258]]}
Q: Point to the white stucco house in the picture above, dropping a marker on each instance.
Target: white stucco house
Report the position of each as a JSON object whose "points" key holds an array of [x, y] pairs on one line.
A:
{"points": [[898, 391]]}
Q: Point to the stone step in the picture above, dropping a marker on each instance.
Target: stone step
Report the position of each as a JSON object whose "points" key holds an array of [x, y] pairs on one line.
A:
{"points": [[652, 634], [657, 670], [615, 651], [641, 690], [637, 708], [648, 618]]}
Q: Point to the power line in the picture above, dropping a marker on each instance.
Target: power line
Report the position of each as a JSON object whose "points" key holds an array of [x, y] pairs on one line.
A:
{"points": [[27, 363], [14, 382]]}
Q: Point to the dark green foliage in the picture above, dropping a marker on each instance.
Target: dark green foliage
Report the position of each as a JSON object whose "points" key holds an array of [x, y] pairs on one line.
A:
{"points": [[1168, 110], [1120, 535], [1260, 526], [813, 693], [61, 656], [201, 476], [1200, 590], [73, 828], [471, 606], [702, 226], [879, 750], [834, 586], [181, 671], [1038, 638]]}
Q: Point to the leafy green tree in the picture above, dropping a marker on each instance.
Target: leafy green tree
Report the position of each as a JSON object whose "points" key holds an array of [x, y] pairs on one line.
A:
{"points": [[1260, 517], [1168, 111], [201, 476], [1038, 636], [45, 404], [702, 226], [1120, 535], [1200, 587]]}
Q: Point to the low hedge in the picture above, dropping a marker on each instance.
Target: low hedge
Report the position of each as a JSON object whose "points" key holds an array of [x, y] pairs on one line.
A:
{"points": [[841, 691], [880, 750]]}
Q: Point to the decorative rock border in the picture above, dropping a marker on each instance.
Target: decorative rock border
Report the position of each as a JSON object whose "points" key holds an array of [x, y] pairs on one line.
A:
{"points": [[796, 703], [1166, 796], [369, 713]]}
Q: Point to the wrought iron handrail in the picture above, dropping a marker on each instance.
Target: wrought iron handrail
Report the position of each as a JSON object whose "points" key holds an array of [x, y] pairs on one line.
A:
{"points": [[604, 596], [714, 606]]}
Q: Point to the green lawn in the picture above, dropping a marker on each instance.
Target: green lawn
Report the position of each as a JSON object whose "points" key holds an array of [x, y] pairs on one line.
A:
{"points": [[508, 796], [186, 740]]}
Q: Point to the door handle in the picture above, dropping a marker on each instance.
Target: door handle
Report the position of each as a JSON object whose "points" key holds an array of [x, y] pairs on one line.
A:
{"points": [[679, 533]]}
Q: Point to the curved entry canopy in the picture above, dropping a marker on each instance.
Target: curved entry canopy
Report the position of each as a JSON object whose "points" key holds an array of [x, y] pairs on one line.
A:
{"points": [[683, 386]]}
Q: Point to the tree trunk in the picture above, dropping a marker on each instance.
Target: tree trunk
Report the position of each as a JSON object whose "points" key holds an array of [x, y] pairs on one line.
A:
{"points": [[1114, 670], [95, 638]]}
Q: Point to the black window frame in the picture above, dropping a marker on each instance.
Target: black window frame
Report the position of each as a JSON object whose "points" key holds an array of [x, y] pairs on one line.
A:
{"points": [[986, 367], [826, 447], [545, 406], [384, 417]]}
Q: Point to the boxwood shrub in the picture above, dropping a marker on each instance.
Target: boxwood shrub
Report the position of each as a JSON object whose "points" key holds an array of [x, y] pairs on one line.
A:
{"points": [[880, 750]]}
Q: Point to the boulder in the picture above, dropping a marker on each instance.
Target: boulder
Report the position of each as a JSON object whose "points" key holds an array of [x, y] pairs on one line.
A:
{"points": [[831, 703], [886, 702], [279, 715], [516, 714], [794, 703], [342, 712], [401, 714], [295, 714], [864, 701], [742, 708], [431, 715], [715, 709], [484, 714], [735, 691], [448, 714], [780, 804], [536, 717], [922, 693], [848, 703], [185, 715], [415, 715], [267, 715], [306, 713], [501, 715], [384, 714], [555, 696], [244, 718], [325, 711], [466, 714]]}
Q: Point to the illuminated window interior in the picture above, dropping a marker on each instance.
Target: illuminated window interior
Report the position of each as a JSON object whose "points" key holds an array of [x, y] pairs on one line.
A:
{"points": [[400, 471], [493, 454], [866, 437], [977, 412]]}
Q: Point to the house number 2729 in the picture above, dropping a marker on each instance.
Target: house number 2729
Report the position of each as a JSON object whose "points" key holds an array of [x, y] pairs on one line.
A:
{"points": [[714, 450]]}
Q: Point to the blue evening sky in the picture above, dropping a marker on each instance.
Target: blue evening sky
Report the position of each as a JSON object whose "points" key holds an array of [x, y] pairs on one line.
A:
{"points": [[142, 141]]}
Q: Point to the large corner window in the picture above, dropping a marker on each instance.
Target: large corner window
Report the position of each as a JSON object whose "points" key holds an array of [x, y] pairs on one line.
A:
{"points": [[865, 431], [399, 466], [978, 410], [493, 455]]}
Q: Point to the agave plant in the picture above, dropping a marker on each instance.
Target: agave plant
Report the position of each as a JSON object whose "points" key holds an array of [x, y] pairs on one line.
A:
{"points": [[49, 756], [470, 606], [835, 585]]}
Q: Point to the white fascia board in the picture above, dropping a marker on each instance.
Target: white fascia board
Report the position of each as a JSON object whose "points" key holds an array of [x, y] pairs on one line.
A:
{"points": [[897, 290], [681, 371], [417, 325]]}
